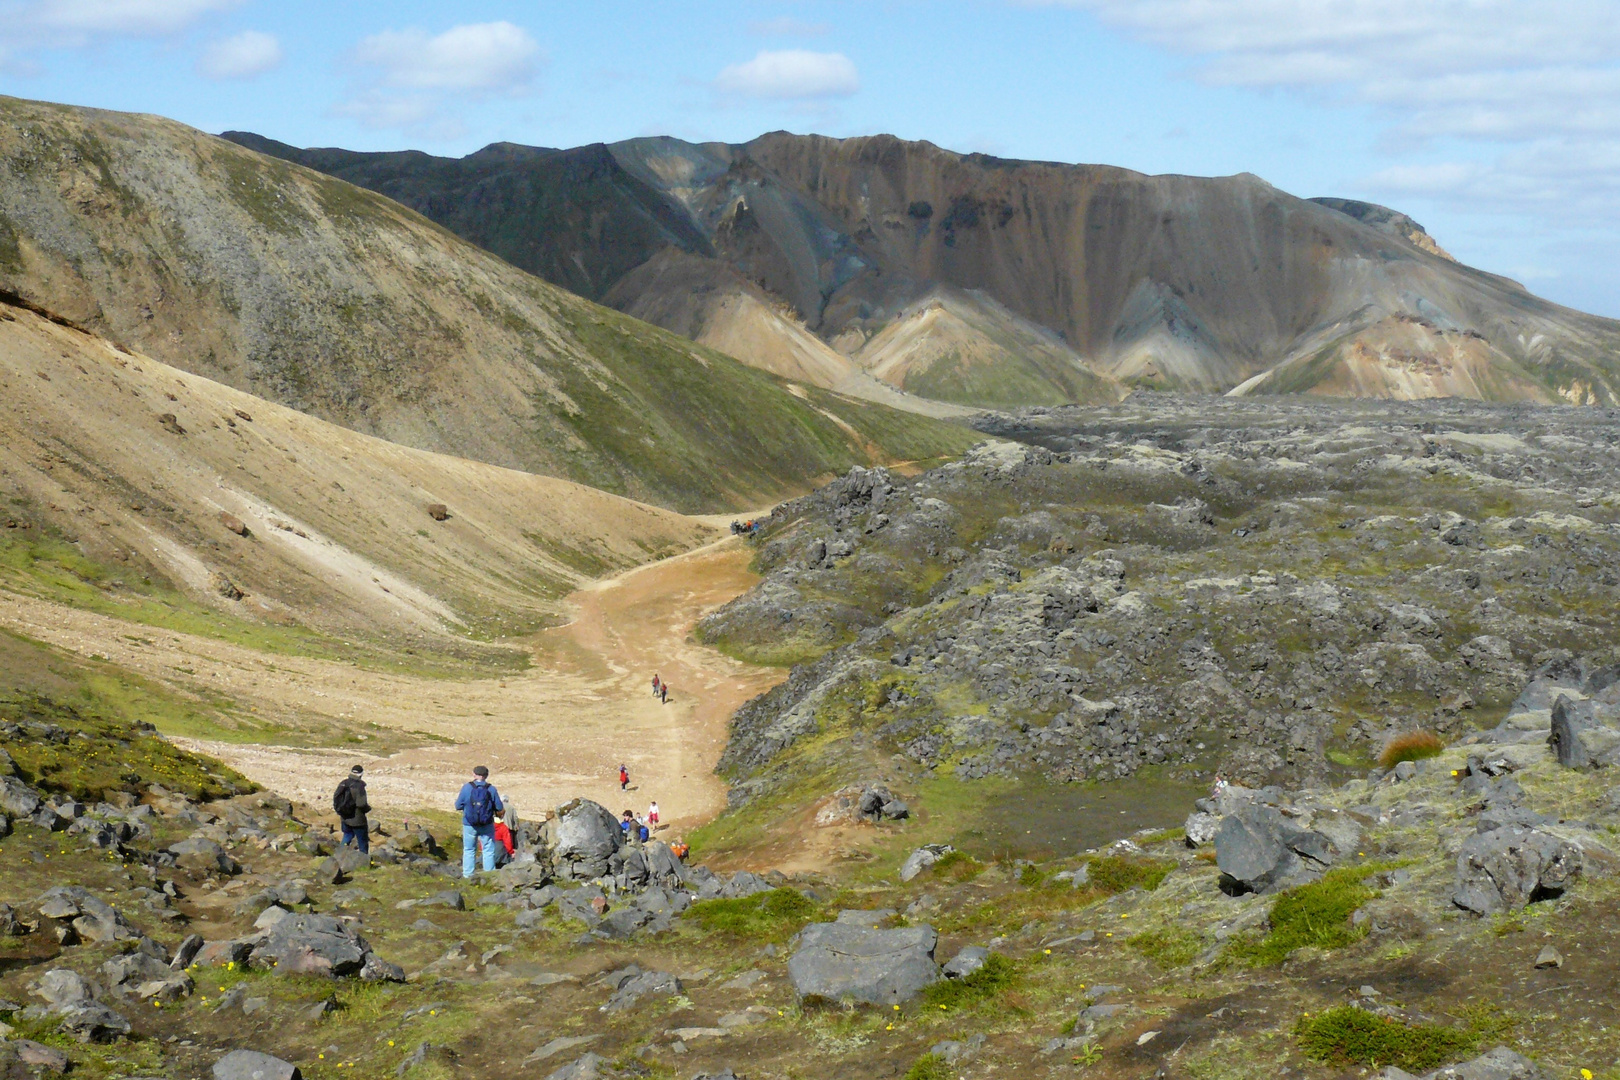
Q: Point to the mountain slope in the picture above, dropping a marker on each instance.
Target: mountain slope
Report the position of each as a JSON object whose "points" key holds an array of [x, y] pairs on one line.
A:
{"points": [[308, 291], [1164, 281], [113, 459]]}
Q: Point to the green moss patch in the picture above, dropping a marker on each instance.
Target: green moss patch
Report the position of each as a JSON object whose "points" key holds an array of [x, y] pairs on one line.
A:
{"points": [[1347, 1035], [1315, 915], [773, 915]]}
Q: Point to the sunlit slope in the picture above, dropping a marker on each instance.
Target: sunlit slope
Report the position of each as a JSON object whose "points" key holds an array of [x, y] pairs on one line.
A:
{"points": [[342, 304]]}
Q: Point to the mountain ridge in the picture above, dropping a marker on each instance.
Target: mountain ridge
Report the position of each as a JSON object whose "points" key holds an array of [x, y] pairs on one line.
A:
{"points": [[1161, 281]]}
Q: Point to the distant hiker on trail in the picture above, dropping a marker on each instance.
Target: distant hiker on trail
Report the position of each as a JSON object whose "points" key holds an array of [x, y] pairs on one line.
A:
{"points": [[652, 813], [628, 824], [503, 837], [624, 779], [680, 849], [478, 802], [350, 805], [663, 694], [642, 832], [656, 684]]}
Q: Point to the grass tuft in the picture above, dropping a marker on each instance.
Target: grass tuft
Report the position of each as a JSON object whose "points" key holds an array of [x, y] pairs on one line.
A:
{"points": [[1346, 1035], [777, 913], [958, 866], [930, 1067], [998, 974], [1315, 915], [1410, 746], [1117, 873], [1170, 949]]}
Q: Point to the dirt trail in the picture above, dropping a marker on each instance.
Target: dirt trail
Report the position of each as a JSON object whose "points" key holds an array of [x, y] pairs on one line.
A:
{"points": [[558, 730]]}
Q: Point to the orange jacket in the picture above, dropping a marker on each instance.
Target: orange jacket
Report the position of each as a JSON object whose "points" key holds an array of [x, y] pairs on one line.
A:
{"points": [[503, 836]]}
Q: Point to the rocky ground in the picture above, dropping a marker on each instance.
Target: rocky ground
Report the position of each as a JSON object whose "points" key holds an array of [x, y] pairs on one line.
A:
{"points": [[158, 918], [1174, 589]]}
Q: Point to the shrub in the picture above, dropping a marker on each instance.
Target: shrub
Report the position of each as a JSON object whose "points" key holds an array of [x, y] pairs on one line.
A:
{"points": [[1117, 873], [1168, 948], [761, 915], [1412, 746], [1350, 1036], [958, 866], [1316, 915], [930, 1067], [997, 974]]}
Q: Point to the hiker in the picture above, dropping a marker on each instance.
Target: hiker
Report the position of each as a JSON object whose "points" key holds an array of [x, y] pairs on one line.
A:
{"points": [[624, 779], [663, 698], [350, 805], [656, 684], [642, 832], [652, 814], [478, 802], [506, 847], [680, 849], [628, 824]]}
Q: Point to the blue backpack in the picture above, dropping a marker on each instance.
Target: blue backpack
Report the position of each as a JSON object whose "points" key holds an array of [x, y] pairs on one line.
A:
{"points": [[480, 805]]}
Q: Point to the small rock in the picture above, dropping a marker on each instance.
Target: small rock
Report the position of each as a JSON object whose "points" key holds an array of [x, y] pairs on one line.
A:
{"points": [[1549, 957], [1146, 1037], [41, 1056], [969, 958], [233, 523]]}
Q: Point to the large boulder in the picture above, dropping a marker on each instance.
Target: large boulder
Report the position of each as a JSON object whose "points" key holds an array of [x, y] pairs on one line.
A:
{"points": [[1585, 733], [1259, 850], [203, 855], [311, 945], [1499, 1064], [922, 859], [844, 962], [252, 1065], [1507, 868], [587, 836], [91, 917], [91, 1021], [17, 798]]}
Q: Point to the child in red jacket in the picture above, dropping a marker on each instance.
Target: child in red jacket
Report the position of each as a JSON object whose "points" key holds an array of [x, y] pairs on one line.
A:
{"points": [[503, 837]]}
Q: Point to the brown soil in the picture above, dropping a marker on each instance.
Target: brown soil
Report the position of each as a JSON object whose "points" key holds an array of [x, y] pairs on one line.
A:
{"points": [[557, 730]]}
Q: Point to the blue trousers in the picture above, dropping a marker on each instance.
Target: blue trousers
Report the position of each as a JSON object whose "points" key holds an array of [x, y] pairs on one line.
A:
{"points": [[359, 836], [471, 837]]}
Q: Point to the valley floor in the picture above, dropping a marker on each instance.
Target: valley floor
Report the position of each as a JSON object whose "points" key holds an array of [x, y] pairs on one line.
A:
{"points": [[558, 729]]}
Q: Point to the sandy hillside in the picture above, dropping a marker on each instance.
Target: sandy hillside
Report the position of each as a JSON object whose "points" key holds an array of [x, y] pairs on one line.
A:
{"points": [[338, 530]]}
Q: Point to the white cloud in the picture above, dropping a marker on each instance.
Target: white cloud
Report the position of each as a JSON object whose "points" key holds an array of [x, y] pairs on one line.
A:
{"points": [[27, 26], [109, 18], [487, 58], [244, 56], [1530, 88], [791, 74]]}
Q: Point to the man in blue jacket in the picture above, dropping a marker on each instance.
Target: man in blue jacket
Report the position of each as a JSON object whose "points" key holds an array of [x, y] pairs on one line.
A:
{"points": [[478, 802]]}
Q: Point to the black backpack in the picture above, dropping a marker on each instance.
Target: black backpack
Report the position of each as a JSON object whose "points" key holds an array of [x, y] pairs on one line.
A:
{"points": [[343, 800]]}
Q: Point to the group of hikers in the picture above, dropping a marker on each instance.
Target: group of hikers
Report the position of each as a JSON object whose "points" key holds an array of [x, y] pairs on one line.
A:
{"points": [[485, 836], [745, 528], [660, 690]]}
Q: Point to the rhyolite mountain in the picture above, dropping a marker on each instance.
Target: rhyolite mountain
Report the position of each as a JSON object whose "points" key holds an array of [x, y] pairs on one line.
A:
{"points": [[313, 293], [988, 281]]}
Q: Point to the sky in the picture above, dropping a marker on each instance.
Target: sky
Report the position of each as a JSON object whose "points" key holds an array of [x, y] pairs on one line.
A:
{"points": [[1494, 123]]}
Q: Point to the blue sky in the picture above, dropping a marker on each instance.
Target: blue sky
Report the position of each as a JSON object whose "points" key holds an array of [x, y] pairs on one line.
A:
{"points": [[1496, 123]]}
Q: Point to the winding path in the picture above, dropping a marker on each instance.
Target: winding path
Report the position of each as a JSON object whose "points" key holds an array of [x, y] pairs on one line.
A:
{"points": [[557, 730]]}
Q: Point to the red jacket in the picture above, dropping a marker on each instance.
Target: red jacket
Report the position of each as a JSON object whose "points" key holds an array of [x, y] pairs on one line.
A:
{"points": [[503, 836]]}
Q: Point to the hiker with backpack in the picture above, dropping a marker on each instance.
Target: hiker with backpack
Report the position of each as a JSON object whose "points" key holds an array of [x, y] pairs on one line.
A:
{"points": [[478, 802], [624, 778], [350, 805]]}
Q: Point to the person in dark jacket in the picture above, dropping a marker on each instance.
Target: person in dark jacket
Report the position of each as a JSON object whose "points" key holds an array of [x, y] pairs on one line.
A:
{"points": [[350, 805]]}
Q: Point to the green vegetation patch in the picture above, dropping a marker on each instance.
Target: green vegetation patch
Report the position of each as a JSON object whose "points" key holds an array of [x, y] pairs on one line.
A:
{"points": [[998, 974], [775, 914], [1170, 949], [1315, 915], [1347, 1035], [930, 1067], [86, 754], [1114, 874]]}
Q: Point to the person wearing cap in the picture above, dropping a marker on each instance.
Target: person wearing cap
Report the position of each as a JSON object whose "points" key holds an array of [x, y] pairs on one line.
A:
{"points": [[478, 802], [350, 805]]}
